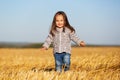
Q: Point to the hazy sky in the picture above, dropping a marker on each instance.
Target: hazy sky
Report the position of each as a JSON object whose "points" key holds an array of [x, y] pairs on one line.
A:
{"points": [[95, 21]]}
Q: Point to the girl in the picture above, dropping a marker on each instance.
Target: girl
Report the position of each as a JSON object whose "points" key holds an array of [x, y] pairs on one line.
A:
{"points": [[61, 34]]}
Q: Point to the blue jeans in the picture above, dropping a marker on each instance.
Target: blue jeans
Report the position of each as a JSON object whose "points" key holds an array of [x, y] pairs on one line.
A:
{"points": [[62, 59]]}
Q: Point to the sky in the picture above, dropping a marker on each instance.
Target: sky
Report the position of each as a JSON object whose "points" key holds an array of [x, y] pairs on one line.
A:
{"points": [[95, 21]]}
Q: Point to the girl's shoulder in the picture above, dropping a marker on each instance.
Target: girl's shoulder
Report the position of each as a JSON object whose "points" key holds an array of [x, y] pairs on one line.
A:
{"points": [[67, 30]]}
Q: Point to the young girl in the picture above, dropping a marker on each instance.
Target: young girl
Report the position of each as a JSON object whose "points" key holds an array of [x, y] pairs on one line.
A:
{"points": [[61, 34]]}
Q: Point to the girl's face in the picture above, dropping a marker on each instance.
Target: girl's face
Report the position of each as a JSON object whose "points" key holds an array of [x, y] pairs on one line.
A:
{"points": [[59, 21]]}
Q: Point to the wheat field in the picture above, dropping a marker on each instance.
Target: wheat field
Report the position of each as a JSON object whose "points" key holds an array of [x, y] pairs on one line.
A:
{"points": [[87, 63]]}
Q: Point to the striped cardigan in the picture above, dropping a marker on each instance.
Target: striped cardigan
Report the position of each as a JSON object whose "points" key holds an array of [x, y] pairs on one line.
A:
{"points": [[62, 40]]}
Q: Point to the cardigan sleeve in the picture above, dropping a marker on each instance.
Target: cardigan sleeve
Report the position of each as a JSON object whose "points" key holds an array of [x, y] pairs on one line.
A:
{"points": [[48, 41], [74, 37]]}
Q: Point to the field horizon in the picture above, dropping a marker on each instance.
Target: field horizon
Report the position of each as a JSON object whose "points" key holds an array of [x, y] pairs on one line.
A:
{"points": [[39, 45]]}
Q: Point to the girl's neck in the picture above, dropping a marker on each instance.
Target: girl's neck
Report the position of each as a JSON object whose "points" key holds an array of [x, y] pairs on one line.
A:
{"points": [[59, 27]]}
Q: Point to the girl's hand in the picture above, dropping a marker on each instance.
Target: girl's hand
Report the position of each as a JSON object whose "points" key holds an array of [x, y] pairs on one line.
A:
{"points": [[82, 43], [43, 48]]}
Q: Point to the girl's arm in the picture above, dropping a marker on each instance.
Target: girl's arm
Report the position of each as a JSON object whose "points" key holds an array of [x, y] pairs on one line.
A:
{"points": [[47, 42], [75, 38]]}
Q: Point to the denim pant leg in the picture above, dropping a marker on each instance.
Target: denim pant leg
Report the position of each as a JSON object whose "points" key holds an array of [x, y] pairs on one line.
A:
{"points": [[58, 62], [66, 60]]}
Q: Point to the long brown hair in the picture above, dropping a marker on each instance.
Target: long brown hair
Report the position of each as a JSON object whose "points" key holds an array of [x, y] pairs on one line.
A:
{"points": [[66, 23]]}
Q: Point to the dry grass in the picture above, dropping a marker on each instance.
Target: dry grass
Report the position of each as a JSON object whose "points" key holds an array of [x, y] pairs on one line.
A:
{"points": [[88, 63]]}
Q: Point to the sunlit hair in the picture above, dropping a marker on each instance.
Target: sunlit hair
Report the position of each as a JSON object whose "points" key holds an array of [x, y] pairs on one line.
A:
{"points": [[66, 23]]}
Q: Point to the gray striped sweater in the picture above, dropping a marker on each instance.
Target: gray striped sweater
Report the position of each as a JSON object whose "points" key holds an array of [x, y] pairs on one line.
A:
{"points": [[62, 40]]}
